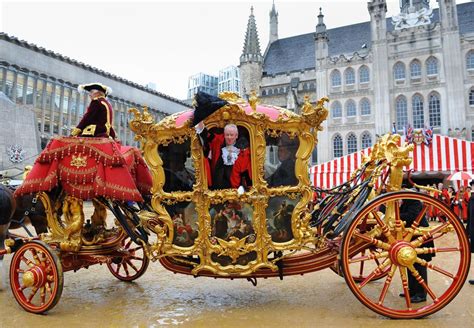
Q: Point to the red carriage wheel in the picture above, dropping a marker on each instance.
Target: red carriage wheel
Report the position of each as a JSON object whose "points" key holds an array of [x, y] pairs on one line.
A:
{"points": [[36, 277], [132, 265], [402, 250], [367, 261]]}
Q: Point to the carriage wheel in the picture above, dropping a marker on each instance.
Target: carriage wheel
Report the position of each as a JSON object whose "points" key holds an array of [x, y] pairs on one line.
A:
{"points": [[400, 250], [36, 277], [132, 265], [365, 267]]}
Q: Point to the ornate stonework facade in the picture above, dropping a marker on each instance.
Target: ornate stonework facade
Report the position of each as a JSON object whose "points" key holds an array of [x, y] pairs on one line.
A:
{"points": [[414, 73]]}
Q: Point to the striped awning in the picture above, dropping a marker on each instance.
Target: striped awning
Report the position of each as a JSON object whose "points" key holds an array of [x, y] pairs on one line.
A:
{"points": [[444, 154]]}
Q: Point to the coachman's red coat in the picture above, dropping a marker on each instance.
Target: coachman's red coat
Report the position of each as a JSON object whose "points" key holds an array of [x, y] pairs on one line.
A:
{"points": [[97, 121]]}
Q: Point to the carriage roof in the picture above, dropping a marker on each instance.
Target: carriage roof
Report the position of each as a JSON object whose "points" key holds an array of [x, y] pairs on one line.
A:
{"points": [[244, 110]]}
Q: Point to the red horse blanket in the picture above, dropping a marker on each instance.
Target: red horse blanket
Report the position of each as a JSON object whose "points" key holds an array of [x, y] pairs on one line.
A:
{"points": [[88, 168]]}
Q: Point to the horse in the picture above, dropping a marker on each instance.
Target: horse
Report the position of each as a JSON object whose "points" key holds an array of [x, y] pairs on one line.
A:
{"points": [[7, 208]]}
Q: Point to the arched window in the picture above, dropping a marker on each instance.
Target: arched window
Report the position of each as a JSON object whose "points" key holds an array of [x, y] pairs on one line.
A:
{"points": [[366, 140], [305, 86], [432, 66], [351, 143], [399, 71], [471, 97], [312, 86], [364, 106], [337, 146], [349, 76], [418, 114], [336, 109], [434, 109], [401, 112], [335, 78], [364, 76], [282, 90], [275, 91], [270, 92], [264, 92], [470, 60], [415, 69], [351, 109]]}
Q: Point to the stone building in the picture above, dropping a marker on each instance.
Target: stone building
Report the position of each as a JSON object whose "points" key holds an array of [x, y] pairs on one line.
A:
{"points": [[415, 69], [47, 82]]}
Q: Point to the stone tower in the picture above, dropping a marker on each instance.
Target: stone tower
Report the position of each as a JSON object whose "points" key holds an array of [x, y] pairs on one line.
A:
{"points": [[273, 25], [251, 60], [321, 40], [378, 28], [451, 45]]}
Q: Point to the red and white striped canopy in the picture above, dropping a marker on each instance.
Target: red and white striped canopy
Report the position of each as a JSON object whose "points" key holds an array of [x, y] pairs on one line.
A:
{"points": [[443, 154]]}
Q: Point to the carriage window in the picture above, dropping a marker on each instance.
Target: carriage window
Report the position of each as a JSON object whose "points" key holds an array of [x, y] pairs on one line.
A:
{"points": [[281, 173], [178, 166], [227, 151], [185, 223], [278, 213]]}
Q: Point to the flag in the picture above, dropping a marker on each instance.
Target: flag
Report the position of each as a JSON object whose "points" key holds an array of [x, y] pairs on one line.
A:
{"points": [[409, 133], [428, 134]]}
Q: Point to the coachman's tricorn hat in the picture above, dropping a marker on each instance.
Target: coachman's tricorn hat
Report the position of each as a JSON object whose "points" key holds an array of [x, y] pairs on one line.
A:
{"points": [[95, 86], [204, 105]]}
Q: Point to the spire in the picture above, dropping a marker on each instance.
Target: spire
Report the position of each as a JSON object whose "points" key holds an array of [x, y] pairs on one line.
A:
{"points": [[251, 51], [321, 27], [273, 25]]}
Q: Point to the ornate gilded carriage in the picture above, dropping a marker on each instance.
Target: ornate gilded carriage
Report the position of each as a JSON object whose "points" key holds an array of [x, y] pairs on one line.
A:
{"points": [[200, 207], [276, 225]]}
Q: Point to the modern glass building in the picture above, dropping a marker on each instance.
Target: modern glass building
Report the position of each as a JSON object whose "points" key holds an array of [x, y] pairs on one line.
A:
{"points": [[229, 79], [202, 82]]}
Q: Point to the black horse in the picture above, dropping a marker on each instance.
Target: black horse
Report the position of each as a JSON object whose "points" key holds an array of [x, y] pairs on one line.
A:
{"points": [[7, 208]]}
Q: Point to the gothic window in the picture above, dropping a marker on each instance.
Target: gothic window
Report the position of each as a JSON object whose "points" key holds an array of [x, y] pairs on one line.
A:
{"points": [[349, 76], [399, 71], [351, 109], [364, 76], [270, 91], [351, 143], [434, 109], [415, 69], [264, 92], [364, 106], [336, 109], [432, 66], [470, 60], [366, 140], [337, 146], [401, 112], [275, 91], [471, 97], [336, 78], [282, 90], [305, 86], [418, 114], [312, 86]]}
